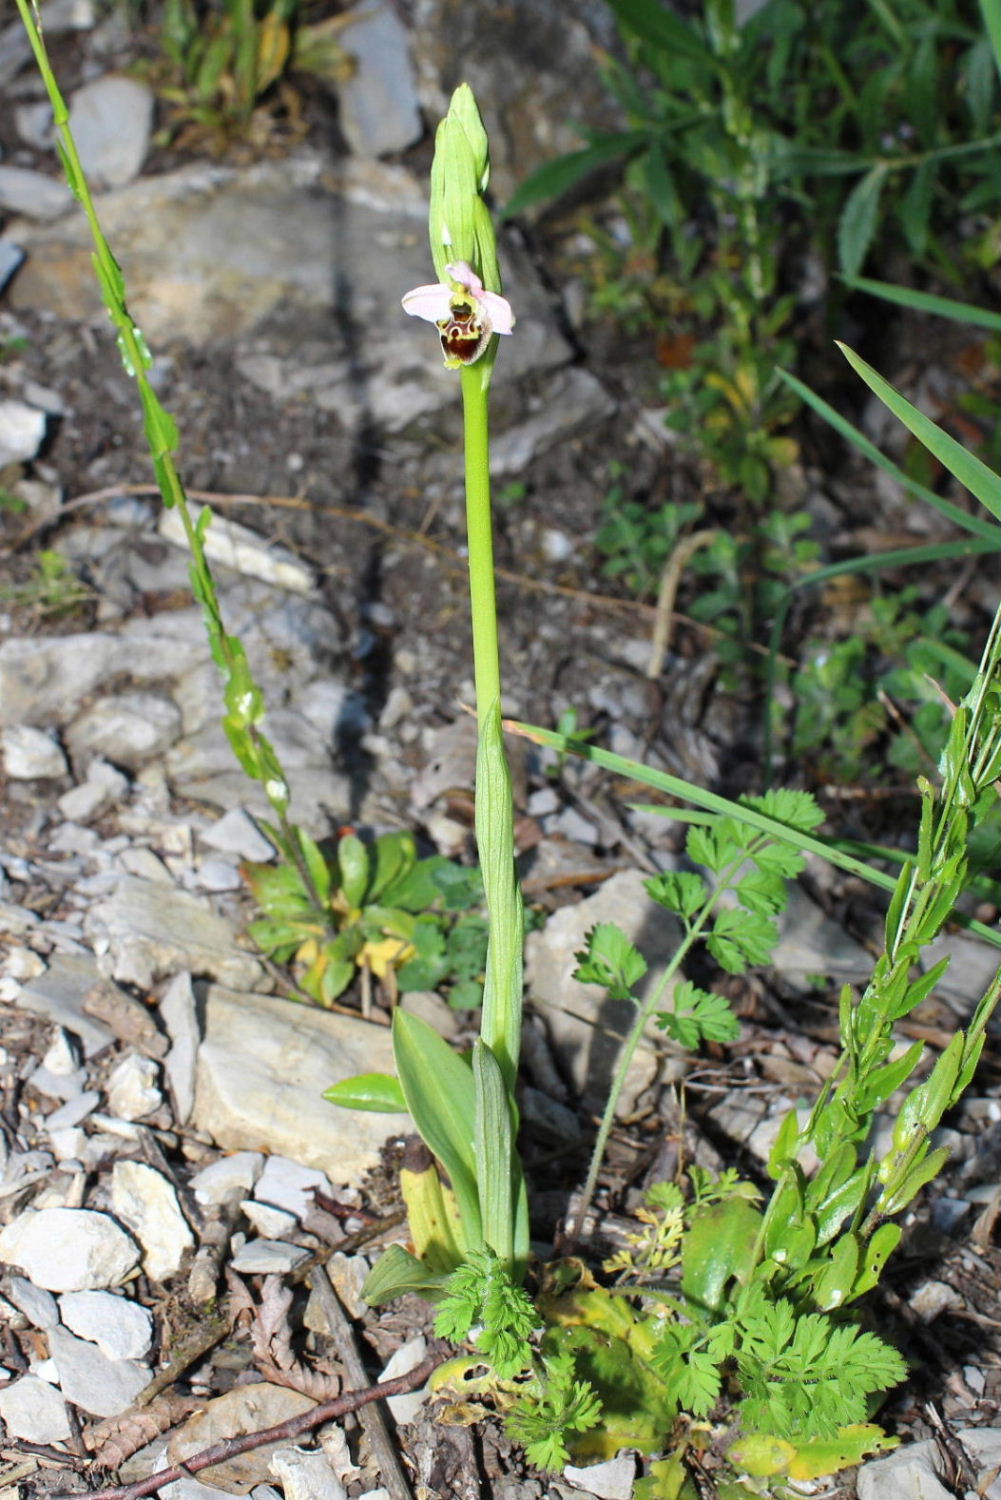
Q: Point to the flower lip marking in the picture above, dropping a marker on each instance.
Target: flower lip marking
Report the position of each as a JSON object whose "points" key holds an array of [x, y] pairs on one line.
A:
{"points": [[466, 316]]}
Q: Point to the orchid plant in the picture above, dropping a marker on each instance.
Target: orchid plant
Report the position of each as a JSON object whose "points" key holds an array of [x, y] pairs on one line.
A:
{"points": [[464, 1110]]}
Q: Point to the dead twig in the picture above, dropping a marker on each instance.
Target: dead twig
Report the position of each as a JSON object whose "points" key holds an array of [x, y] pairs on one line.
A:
{"points": [[669, 581], [371, 1417], [294, 1427]]}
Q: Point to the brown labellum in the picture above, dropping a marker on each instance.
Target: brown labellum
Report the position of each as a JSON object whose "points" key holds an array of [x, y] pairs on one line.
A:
{"points": [[464, 334]]}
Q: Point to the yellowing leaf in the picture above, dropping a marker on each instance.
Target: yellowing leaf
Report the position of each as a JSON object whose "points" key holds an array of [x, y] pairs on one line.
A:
{"points": [[388, 953]]}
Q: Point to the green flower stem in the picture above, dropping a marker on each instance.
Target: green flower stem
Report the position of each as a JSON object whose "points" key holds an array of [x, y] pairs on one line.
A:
{"points": [[479, 528], [500, 1025]]}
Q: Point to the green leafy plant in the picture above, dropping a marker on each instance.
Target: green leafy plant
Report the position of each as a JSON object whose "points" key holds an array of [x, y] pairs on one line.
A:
{"points": [[225, 59], [384, 912], [723, 1296], [53, 587]]}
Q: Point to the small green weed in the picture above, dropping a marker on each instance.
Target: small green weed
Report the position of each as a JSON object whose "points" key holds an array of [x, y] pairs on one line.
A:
{"points": [[52, 589], [409, 923]]}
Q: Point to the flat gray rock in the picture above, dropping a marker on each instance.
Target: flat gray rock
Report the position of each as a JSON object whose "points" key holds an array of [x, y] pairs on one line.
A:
{"points": [[120, 1328], [69, 1249], [59, 992], [179, 1014], [34, 194], [87, 1377], [38, 1305], [147, 930], [262, 1069], [268, 1258], [224, 1178], [130, 728], [583, 1024], [34, 1410]]}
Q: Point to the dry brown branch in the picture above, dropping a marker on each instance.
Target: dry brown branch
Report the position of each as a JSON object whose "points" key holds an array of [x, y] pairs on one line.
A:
{"points": [[282, 1432]]}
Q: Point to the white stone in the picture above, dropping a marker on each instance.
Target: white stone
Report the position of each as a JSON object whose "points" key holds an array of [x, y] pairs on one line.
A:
{"points": [[87, 1377], [58, 993], [270, 1223], [218, 875], [31, 754], [68, 1145], [35, 1411], [237, 833], [38, 1305], [910, 1473], [612, 1480], [406, 1408], [226, 1177], [148, 930], [289, 1185], [306, 1476], [69, 1249], [144, 1200], [262, 1070], [131, 1088], [73, 1112], [129, 728], [268, 1258], [35, 194], [230, 545], [179, 1014], [104, 786], [120, 1328], [111, 119], [63, 1056]]}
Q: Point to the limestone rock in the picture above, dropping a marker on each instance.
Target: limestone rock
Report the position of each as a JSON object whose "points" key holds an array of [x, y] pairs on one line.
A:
{"points": [[69, 1249], [262, 1069], [145, 1201]]}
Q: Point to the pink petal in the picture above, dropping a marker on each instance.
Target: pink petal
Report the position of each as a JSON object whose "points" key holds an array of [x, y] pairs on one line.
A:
{"points": [[498, 310], [432, 303], [463, 273]]}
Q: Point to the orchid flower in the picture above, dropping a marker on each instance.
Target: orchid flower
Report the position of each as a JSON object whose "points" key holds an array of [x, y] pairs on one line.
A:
{"points": [[466, 316]]}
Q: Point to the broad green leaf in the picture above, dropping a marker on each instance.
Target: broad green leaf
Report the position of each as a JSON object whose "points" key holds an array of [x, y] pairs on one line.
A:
{"points": [[352, 865], [878, 1251], [441, 1097], [375, 1091], [832, 1287], [397, 1272], [718, 1249], [392, 855], [964, 466]]}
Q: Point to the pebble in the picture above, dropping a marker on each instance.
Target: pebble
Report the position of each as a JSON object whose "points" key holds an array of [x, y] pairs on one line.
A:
{"points": [[218, 875], [38, 1305], [612, 1480], [222, 1179], [31, 754], [69, 1249], [104, 787], [306, 1476], [34, 194], [231, 545], [406, 1407], [237, 833], [73, 1111], [178, 1012], [111, 119], [121, 1329], [144, 1200], [131, 1088], [101, 1386], [269, 1222], [268, 1258], [35, 1411], [35, 125], [288, 1185]]}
